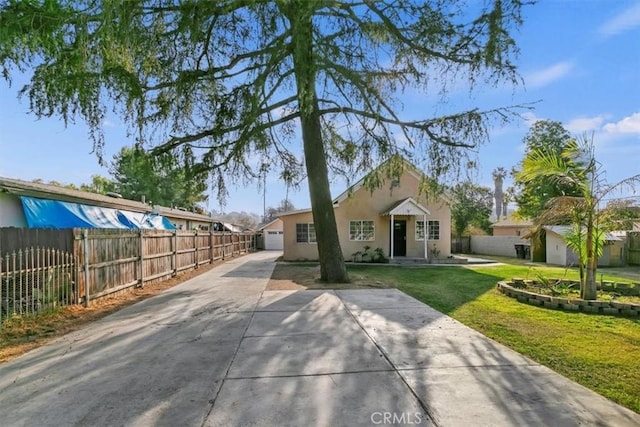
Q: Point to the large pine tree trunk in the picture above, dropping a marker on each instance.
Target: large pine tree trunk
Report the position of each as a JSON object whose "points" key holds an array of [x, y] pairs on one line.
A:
{"points": [[332, 267]]}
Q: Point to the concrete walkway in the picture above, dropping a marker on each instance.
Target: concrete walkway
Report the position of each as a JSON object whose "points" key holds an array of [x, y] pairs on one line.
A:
{"points": [[218, 350]]}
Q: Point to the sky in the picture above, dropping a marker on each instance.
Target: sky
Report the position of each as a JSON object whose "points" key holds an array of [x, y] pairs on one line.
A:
{"points": [[579, 61]]}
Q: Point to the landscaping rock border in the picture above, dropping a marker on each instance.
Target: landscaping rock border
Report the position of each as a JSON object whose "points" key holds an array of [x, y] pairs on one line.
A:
{"points": [[570, 304]]}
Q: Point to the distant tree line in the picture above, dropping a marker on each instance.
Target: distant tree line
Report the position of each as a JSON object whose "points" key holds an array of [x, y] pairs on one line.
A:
{"points": [[165, 179]]}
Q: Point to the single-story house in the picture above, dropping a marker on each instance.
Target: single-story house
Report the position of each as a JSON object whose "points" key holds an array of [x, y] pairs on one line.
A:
{"points": [[557, 252], [273, 235], [511, 227], [37, 205], [234, 228], [186, 220], [396, 217]]}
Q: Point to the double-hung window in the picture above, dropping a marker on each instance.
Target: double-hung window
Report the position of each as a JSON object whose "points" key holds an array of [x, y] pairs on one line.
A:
{"points": [[419, 230], [305, 233], [362, 230], [433, 228]]}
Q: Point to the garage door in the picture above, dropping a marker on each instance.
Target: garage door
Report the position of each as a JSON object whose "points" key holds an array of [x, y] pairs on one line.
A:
{"points": [[273, 240]]}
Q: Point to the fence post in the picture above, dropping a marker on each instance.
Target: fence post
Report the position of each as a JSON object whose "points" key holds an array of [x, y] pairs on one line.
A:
{"points": [[175, 252], [1, 298], [196, 255], [224, 242], [210, 247], [85, 257], [233, 244], [141, 248]]}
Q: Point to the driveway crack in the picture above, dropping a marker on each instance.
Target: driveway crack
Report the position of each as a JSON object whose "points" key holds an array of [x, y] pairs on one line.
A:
{"points": [[428, 412]]}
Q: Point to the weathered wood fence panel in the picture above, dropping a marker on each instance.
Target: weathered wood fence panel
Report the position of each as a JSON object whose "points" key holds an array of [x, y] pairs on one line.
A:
{"points": [[633, 248], [120, 259], [108, 260], [461, 245], [14, 239], [112, 259], [158, 255]]}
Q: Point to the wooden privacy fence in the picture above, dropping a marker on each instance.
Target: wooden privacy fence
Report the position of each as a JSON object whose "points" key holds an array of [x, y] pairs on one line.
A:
{"points": [[633, 248], [104, 261]]}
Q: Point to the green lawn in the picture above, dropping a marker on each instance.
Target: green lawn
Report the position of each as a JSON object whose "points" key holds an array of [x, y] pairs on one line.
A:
{"points": [[600, 352]]}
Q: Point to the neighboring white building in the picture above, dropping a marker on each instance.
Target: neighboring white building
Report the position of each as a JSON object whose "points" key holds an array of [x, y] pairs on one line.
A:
{"points": [[38, 205], [11, 214], [559, 254], [273, 235]]}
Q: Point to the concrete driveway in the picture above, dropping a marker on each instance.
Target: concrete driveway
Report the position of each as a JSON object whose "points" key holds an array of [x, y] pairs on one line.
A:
{"points": [[218, 350]]}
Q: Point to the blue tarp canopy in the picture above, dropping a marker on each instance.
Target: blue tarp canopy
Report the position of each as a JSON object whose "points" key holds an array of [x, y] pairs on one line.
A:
{"points": [[41, 213]]}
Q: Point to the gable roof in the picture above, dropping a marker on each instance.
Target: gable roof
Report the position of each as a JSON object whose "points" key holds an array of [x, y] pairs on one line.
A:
{"points": [[409, 167], [406, 206], [235, 228], [265, 225], [294, 212]]}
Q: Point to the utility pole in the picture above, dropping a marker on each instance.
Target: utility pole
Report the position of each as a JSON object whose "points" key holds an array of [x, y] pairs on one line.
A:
{"points": [[263, 169]]}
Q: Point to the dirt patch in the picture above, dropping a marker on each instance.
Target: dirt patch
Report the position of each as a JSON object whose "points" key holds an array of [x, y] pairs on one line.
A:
{"points": [[307, 276], [21, 335]]}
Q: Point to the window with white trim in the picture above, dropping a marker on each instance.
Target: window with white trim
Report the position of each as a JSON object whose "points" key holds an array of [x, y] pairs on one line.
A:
{"points": [[419, 230], [305, 233], [434, 230], [432, 226], [363, 231]]}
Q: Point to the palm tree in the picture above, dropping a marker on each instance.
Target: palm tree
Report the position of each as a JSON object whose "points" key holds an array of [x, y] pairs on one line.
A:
{"points": [[577, 166], [508, 197], [498, 177], [575, 240]]}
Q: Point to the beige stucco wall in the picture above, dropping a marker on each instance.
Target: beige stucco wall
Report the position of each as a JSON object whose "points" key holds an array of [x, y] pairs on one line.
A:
{"points": [[11, 213], [293, 250], [365, 205], [274, 225], [511, 230]]}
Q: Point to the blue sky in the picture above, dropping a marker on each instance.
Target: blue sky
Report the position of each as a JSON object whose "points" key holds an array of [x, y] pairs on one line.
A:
{"points": [[579, 58]]}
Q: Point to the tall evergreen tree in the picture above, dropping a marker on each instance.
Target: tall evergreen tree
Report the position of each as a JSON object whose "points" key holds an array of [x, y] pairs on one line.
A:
{"points": [[164, 179], [470, 205], [551, 139], [234, 79]]}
